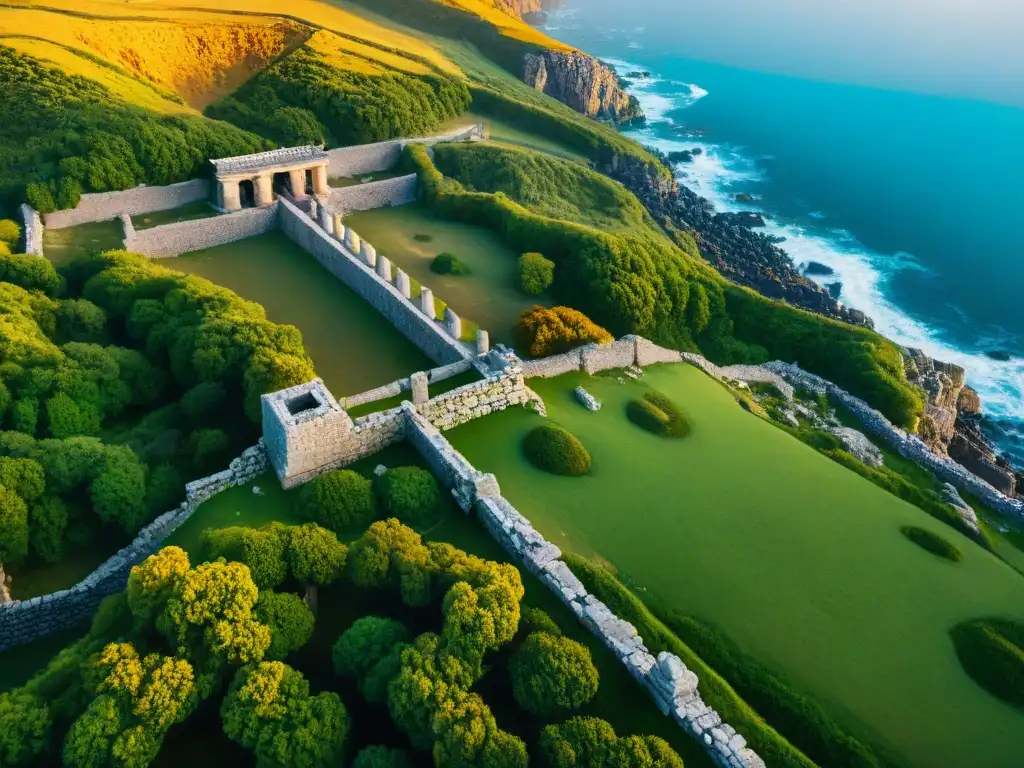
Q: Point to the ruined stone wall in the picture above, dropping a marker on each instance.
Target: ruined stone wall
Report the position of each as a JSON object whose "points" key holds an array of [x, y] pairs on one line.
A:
{"points": [[674, 688], [373, 194], [187, 236], [27, 620], [382, 156], [32, 230], [471, 401], [399, 386], [103, 206], [909, 446], [429, 335]]}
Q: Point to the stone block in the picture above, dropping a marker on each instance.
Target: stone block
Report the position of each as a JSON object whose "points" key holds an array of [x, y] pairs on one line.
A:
{"points": [[403, 284], [452, 323], [352, 240], [420, 388], [483, 342], [368, 254], [426, 303], [384, 268]]}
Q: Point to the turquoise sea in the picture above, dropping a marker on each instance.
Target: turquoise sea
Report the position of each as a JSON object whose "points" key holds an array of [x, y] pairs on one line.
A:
{"points": [[917, 202]]}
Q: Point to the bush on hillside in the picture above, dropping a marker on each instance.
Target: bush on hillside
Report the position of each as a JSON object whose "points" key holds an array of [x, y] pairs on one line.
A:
{"points": [[420, 237], [339, 500], [448, 264], [63, 134], [552, 674], [305, 99], [10, 233], [556, 450], [409, 493], [536, 620], [535, 273], [932, 543], [658, 414], [541, 331], [991, 651]]}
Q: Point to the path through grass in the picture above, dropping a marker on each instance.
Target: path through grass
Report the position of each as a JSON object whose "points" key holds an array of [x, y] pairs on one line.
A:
{"points": [[799, 560]]}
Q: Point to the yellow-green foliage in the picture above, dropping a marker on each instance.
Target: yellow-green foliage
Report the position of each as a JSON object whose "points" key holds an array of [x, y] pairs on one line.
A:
{"points": [[638, 281]]}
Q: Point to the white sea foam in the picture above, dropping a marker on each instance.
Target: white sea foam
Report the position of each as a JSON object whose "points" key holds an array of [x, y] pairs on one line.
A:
{"points": [[719, 171]]}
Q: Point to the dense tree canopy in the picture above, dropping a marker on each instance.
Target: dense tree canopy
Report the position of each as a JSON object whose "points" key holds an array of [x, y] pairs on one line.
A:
{"points": [[543, 331], [409, 493], [340, 499], [552, 674], [592, 743]]}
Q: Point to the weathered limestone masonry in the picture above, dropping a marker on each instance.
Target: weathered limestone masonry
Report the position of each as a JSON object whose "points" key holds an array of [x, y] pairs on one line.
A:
{"points": [[24, 621], [382, 156], [261, 172], [673, 687], [403, 385], [32, 230], [906, 445], [308, 433], [373, 194], [186, 236], [103, 206], [341, 262]]}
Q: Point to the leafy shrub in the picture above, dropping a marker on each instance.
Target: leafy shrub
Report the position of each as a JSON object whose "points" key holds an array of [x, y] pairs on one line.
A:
{"points": [[419, 237], [931, 542], [657, 413], [535, 620], [552, 674], [81, 320], [208, 449], [262, 550], [448, 264], [13, 527], [541, 331], [29, 272], [991, 651], [165, 489], [365, 644], [203, 400], [592, 742], [10, 232], [290, 621], [535, 273], [409, 493], [556, 450], [339, 500]]}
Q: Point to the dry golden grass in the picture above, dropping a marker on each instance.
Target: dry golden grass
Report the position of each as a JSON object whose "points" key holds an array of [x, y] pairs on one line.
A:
{"points": [[358, 57], [509, 26], [318, 13]]}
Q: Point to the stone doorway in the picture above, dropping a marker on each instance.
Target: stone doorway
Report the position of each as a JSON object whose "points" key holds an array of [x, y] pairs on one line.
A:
{"points": [[283, 183], [247, 193]]}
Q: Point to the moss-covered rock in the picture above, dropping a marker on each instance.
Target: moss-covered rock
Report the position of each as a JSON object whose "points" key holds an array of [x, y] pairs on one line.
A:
{"points": [[556, 450]]}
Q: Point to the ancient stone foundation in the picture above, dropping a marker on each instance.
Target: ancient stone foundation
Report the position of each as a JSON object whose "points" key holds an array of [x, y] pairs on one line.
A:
{"points": [[374, 194], [103, 206], [186, 236]]}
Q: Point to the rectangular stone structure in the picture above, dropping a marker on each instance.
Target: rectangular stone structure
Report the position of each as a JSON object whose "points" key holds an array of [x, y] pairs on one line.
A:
{"points": [[402, 283], [427, 303], [420, 388], [483, 342], [369, 254], [352, 240], [384, 268], [453, 323]]}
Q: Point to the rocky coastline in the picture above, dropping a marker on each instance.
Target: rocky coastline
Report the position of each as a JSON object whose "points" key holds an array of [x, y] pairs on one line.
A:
{"points": [[582, 82]]}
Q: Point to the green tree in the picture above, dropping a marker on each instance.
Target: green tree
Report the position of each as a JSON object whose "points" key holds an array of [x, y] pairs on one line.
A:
{"points": [[364, 644], [409, 493], [577, 743], [30, 272], [25, 728], [535, 273], [289, 619], [14, 535], [119, 490], [552, 674], [204, 400], [152, 582], [391, 553], [165, 489], [10, 232], [48, 522], [261, 549], [24, 415], [269, 710], [208, 449], [80, 320], [314, 555], [338, 500], [26, 477]]}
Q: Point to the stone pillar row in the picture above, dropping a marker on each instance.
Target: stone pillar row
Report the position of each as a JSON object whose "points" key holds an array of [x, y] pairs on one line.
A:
{"points": [[427, 303]]}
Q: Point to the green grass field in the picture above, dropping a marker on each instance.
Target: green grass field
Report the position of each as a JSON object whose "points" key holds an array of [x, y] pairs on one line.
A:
{"points": [[503, 132], [197, 210], [353, 347], [488, 296], [799, 560]]}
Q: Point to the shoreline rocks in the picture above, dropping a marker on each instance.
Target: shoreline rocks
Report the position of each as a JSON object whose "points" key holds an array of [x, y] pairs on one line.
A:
{"points": [[582, 82]]}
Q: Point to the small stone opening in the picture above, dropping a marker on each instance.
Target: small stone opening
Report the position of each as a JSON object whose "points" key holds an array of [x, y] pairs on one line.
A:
{"points": [[283, 183], [308, 175], [304, 402], [247, 193]]}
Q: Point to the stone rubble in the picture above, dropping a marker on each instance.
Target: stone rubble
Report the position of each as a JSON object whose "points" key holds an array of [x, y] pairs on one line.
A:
{"points": [[588, 400]]}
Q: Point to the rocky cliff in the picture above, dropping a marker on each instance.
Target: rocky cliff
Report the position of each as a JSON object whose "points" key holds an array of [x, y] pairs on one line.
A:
{"points": [[727, 241], [582, 82], [519, 8], [951, 424]]}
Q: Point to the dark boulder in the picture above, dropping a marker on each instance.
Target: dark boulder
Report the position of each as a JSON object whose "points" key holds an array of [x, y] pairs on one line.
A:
{"points": [[817, 268]]}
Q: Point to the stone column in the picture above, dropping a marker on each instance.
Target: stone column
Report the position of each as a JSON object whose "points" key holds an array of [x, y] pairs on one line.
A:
{"points": [[326, 219], [369, 254], [427, 302], [229, 196], [264, 186], [402, 284], [320, 180], [339, 228], [384, 268], [483, 342], [453, 323], [420, 388], [297, 181], [352, 240]]}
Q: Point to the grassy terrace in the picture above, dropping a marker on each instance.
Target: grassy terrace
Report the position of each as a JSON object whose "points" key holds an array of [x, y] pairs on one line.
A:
{"points": [[352, 346], [797, 559], [487, 296]]}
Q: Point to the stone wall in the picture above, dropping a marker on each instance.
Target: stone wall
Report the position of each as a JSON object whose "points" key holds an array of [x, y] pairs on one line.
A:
{"points": [[673, 687], [103, 206], [909, 446], [373, 194], [429, 335], [382, 156], [471, 401], [399, 386], [32, 230], [27, 620], [187, 236]]}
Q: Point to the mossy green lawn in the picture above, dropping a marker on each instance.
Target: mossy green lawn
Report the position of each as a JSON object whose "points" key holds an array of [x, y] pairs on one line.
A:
{"points": [[352, 346], [487, 295], [800, 561]]}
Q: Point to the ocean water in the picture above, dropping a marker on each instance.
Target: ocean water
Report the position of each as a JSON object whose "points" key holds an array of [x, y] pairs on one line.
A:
{"points": [[916, 202]]}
